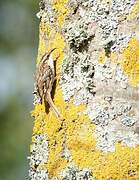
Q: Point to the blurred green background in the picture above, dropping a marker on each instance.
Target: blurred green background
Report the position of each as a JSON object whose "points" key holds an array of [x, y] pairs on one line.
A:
{"points": [[18, 51]]}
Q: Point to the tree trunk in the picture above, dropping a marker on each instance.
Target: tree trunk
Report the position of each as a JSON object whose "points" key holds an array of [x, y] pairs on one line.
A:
{"points": [[96, 92]]}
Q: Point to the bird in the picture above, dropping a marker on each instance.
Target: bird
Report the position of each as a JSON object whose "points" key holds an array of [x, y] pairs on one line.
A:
{"points": [[44, 80]]}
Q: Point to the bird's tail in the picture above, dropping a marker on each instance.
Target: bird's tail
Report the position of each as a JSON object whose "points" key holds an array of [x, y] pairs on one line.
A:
{"points": [[52, 106]]}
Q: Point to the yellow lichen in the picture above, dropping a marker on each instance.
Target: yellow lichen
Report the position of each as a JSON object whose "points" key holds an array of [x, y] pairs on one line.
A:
{"points": [[115, 165], [114, 57], [42, 41], [130, 61], [62, 11], [102, 57], [39, 115], [134, 12]]}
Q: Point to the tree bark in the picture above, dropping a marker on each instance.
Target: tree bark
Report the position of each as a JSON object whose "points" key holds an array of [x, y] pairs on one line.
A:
{"points": [[96, 91]]}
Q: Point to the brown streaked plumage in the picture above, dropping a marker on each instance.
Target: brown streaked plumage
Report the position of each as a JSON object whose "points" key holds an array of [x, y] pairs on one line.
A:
{"points": [[45, 77]]}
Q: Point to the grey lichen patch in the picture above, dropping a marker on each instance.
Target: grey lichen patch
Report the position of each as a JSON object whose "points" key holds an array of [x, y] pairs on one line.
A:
{"points": [[46, 12], [73, 173], [114, 123], [120, 78], [38, 156], [107, 17], [77, 78], [105, 72], [78, 34], [82, 77], [93, 28], [129, 121], [108, 135], [36, 99], [104, 111], [38, 175]]}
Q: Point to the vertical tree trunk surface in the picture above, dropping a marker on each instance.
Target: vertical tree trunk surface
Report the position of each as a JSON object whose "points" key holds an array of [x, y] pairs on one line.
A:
{"points": [[96, 92]]}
